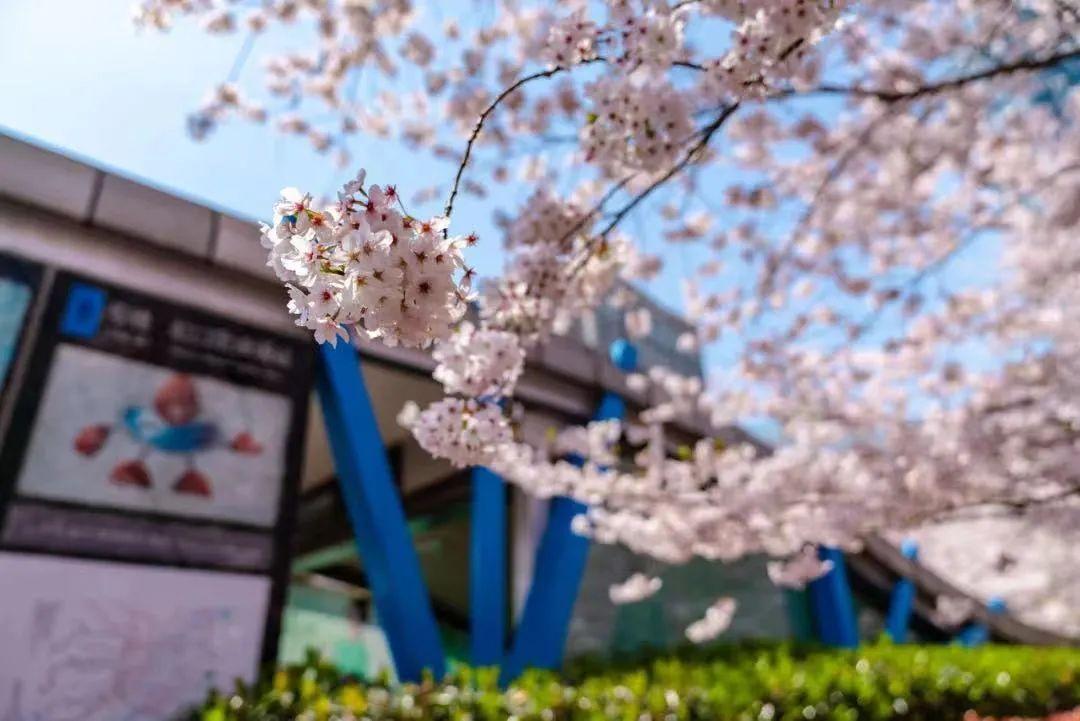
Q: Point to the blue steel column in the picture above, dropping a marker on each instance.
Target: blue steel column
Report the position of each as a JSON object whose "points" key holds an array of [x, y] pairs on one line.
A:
{"points": [[834, 608], [487, 569], [560, 563], [902, 598], [374, 507], [978, 632]]}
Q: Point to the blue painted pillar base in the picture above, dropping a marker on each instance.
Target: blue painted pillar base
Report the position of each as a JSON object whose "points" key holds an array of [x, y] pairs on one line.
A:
{"points": [[545, 620], [902, 599], [378, 521], [834, 608], [978, 632], [487, 569], [540, 638]]}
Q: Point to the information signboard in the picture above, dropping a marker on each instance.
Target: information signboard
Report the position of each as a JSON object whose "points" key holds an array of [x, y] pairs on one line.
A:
{"points": [[147, 494]]}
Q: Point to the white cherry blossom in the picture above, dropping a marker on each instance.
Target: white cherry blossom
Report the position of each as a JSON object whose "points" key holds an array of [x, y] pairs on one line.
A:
{"points": [[716, 620], [799, 570], [634, 589], [362, 264]]}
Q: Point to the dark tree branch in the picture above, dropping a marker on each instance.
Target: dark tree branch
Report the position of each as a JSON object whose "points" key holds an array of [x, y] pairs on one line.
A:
{"points": [[584, 220], [480, 126], [1026, 65], [706, 135], [689, 65]]}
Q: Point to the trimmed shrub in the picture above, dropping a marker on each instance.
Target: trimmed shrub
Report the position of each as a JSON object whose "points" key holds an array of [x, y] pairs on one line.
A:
{"points": [[755, 682]]}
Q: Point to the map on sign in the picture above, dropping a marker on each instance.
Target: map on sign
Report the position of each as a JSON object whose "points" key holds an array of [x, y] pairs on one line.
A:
{"points": [[92, 641]]}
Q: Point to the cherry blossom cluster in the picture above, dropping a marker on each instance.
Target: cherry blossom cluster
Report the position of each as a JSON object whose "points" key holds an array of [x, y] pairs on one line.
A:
{"points": [[363, 264], [633, 34], [463, 431], [635, 124], [477, 368], [555, 269], [872, 208], [479, 362], [651, 33], [798, 571], [771, 44], [595, 441], [572, 40], [635, 589], [716, 620], [675, 396]]}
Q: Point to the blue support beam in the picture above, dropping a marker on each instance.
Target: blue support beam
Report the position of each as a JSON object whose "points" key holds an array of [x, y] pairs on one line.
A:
{"points": [[374, 507], [902, 598], [978, 632], [540, 639], [487, 569], [560, 564], [834, 608]]}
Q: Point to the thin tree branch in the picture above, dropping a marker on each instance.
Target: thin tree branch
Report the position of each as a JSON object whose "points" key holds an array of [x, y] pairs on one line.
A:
{"points": [[1026, 65], [689, 65], [706, 135], [596, 208], [480, 126]]}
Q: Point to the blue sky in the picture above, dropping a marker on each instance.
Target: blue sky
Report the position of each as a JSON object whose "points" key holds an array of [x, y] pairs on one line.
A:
{"points": [[77, 75]]}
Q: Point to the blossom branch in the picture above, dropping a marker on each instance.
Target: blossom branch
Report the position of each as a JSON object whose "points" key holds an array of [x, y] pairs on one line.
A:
{"points": [[878, 433], [705, 136], [448, 211]]}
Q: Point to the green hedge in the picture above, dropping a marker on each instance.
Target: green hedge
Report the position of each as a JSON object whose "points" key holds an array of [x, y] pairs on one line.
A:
{"points": [[744, 683]]}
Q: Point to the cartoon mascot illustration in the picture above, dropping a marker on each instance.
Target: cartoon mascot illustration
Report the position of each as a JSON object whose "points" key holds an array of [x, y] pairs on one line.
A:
{"points": [[172, 426]]}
